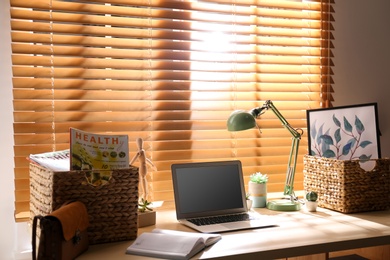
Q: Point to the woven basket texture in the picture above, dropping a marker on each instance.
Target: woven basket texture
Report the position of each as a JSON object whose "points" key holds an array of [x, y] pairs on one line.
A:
{"points": [[345, 187], [112, 208]]}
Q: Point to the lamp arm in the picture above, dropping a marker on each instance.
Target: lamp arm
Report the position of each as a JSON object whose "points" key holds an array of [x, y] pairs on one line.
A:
{"points": [[292, 164], [296, 137], [269, 105]]}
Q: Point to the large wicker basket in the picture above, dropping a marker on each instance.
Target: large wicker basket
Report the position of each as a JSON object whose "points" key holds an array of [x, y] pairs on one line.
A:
{"points": [[344, 186], [112, 208]]}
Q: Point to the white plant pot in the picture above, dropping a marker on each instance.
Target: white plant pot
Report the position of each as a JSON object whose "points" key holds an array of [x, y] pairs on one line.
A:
{"points": [[249, 204], [258, 193], [311, 206], [147, 218]]}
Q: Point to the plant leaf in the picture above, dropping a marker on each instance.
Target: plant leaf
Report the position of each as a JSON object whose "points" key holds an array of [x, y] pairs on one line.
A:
{"points": [[352, 141], [336, 121], [365, 143], [325, 145], [359, 125], [364, 158], [329, 154], [320, 131], [337, 135], [313, 130], [347, 148], [327, 139], [347, 125], [324, 148]]}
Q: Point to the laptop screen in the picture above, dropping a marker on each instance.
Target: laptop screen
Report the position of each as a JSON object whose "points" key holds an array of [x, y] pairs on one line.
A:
{"points": [[206, 189]]}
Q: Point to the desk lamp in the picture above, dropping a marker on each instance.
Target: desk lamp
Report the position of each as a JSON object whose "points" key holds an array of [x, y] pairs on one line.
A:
{"points": [[242, 120]]}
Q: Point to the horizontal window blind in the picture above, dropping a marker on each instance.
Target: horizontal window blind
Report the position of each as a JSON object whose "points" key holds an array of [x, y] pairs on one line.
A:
{"points": [[170, 72]]}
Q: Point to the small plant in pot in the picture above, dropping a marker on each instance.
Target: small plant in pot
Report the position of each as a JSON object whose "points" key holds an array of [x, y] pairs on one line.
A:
{"points": [[257, 187], [144, 206], [248, 200], [259, 178], [146, 215], [311, 201]]}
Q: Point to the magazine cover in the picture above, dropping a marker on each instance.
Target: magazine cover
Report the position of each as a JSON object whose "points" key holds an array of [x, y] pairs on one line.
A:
{"points": [[98, 152], [55, 161]]}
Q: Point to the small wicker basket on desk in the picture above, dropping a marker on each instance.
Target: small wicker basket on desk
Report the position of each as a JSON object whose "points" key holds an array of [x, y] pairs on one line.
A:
{"points": [[112, 208], [345, 187]]}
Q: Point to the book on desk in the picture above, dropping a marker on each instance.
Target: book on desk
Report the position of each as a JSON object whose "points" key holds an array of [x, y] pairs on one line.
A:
{"points": [[171, 244]]}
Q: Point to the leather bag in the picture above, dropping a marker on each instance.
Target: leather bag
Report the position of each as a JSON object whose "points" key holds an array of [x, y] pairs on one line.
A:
{"points": [[63, 233]]}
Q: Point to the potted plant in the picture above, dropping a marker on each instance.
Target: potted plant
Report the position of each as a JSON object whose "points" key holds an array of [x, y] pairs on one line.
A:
{"points": [[146, 215], [144, 205], [257, 187], [248, 200], [311, 201]]}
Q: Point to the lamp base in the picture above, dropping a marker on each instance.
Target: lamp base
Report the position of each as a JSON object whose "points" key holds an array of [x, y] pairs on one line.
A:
{"points": [[284, 205]]}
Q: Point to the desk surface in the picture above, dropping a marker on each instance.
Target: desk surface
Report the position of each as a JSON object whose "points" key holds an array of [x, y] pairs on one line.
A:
{"points": [[299, 233]]}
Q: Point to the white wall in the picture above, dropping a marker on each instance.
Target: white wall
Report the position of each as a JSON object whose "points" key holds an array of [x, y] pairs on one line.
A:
{"points": [[10, 243], [362, 58], [360, 75], [14, 238], [8, 228]]}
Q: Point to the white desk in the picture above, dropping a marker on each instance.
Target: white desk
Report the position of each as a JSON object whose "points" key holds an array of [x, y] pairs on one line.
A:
{"points": [[299, 233]]}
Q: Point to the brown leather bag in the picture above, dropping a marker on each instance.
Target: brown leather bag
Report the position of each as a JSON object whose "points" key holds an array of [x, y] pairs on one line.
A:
{"points": [[63, 233]]}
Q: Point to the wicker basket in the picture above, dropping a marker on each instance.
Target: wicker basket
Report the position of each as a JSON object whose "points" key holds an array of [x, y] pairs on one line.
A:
{"points": [[344, 186], [112, 208]]}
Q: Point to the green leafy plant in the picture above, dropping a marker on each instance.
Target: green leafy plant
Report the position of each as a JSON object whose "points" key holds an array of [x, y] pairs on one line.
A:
{"points": [[346, 141], [312, 196], [144, 205], [259, 178], [247, 196]]}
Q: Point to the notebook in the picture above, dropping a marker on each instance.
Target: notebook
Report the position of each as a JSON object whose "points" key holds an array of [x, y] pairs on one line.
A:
{"points": [[210, 191]]}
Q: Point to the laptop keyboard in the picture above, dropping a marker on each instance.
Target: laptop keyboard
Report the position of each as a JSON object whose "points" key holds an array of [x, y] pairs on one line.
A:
{"points": [[219, 219]]}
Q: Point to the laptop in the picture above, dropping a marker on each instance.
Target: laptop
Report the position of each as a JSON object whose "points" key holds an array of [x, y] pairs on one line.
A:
{"points": [[213, 192]]}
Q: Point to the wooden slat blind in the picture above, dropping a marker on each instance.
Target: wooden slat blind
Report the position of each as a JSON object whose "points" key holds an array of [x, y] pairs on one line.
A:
{"points": [[170, 72]]}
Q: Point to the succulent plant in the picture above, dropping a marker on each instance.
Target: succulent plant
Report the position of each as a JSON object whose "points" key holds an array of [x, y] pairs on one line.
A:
{"points": [[258, 177], [144, 205], [312, 196]]}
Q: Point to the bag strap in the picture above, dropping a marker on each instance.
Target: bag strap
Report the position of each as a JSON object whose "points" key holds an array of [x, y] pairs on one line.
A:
{"points": [[34, 237]]}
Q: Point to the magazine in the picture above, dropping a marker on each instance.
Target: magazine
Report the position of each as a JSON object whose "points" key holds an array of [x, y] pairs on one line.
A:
{"points": [[94, 152], [55, 161], [171, 244], [97, 154]]}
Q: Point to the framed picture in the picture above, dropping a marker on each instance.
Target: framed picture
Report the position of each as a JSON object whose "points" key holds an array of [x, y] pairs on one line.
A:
{"points": [[344, 133]]}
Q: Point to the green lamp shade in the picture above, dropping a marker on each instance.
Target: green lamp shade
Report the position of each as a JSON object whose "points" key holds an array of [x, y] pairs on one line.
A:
{"points": [[240, 120]]}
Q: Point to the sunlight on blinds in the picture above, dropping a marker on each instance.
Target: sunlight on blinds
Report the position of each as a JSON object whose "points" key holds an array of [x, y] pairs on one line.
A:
{"points": [[169, 72]]}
